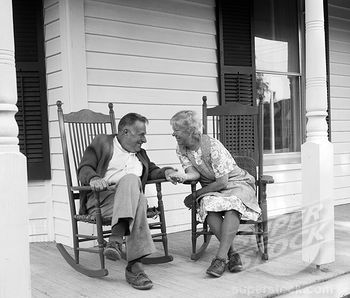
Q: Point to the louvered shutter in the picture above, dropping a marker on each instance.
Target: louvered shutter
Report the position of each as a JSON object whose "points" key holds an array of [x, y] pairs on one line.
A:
{"points": [[31, 87], [237, 73]]}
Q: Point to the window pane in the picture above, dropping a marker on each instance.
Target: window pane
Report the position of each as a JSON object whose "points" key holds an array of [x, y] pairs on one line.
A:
{"points": [[276, 32], [281, 99], [271, 55]]}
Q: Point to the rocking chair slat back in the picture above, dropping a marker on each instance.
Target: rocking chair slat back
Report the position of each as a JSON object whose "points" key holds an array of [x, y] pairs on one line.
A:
{"points": [[235, 125], [82, 127]]}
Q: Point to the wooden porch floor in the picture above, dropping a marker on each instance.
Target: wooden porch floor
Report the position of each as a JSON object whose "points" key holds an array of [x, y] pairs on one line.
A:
{"points": [[283, 273]]}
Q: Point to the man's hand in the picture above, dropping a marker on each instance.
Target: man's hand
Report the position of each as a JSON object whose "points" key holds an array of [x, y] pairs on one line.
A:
{"points": [[179, 177], [98, 184], [168, 175], [176, 177]]}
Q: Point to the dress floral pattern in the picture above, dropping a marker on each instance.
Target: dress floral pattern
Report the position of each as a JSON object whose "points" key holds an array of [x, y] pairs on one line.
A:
{"points": [[222, 163]]}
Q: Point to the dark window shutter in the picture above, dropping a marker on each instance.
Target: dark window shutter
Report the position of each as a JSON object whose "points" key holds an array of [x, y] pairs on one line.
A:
{"points": [[237, 73], [31, 87]]}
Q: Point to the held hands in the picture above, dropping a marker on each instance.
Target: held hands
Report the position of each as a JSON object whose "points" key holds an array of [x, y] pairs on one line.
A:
{"points": [[176, 177]]}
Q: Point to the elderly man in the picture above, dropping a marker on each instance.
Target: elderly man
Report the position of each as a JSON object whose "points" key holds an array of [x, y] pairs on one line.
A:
{"points": [[120, 161]]}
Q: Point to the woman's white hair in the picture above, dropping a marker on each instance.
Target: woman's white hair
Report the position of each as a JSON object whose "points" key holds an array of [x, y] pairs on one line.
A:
{"points": [[187, 120]]}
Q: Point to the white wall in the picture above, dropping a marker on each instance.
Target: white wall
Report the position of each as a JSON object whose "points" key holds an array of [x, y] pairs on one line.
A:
{"points": [[55, 91], [339, 43]]}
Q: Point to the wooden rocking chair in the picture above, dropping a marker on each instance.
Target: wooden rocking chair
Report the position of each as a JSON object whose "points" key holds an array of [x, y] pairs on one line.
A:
{"points": [[223, 118], [82, 127]]}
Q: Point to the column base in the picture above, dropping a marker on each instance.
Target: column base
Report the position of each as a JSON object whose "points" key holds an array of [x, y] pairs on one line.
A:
{"points": [[317, 203], [14, 248]]}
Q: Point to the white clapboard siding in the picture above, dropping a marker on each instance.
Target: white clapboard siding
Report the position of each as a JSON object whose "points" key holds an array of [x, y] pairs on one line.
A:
{"points": [[339, 55], [154, 58], [55, 86], [39, 213]]}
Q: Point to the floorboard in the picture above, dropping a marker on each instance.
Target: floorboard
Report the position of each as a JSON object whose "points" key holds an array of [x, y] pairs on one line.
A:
{"points": [[284, 272]]}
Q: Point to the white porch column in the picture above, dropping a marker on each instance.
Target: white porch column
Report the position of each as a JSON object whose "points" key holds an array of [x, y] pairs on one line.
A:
{"points": [[14, 248], [317, 151]]}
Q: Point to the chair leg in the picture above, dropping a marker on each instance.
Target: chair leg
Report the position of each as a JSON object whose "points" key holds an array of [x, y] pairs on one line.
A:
{"points": [[261, 235], [197, 253], [162, 224], [265, 255], [100, 239], [259, 238], [194, 232], [263, 206], [75, 239]]}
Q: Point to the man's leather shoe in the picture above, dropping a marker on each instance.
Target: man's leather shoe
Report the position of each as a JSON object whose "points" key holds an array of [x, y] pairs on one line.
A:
{"points": [[138, 280], [112, 251]]}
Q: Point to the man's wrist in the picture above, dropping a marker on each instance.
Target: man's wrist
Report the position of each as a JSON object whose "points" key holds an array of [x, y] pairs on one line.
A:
{"points": [[169, 170], [94, 178]]}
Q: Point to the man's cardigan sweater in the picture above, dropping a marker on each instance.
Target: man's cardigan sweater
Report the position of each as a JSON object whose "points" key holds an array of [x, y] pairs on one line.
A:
{"points": [[95, 161]]}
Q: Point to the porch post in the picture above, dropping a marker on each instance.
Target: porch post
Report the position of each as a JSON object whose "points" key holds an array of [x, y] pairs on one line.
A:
{"points": [[317, 151], [14, 248]]}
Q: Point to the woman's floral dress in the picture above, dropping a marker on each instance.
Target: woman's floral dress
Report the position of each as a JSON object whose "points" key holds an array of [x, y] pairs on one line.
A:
{"points": [[240, 192]]}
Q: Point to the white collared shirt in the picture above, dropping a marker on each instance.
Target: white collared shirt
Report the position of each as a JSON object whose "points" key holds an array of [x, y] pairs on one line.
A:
{"points": [[122, 163]]}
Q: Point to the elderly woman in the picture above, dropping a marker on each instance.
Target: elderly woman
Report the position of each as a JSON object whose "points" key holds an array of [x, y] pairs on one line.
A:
{"points": [[227, 193]]}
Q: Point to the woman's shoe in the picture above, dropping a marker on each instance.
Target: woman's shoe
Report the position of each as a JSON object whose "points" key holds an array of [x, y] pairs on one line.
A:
{"points": [[217, 267], [234, 263]]}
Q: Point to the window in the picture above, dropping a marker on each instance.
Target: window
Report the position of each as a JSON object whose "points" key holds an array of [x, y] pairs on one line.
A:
{"points": [[278, 73], [259, 60]]}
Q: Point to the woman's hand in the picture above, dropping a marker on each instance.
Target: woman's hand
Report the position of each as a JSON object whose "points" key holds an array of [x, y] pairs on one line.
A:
{"points": [[177, 177], [189, 200]]}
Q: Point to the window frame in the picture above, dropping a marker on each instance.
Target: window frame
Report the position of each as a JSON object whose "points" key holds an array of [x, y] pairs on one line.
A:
{"points": [[294, 156]]}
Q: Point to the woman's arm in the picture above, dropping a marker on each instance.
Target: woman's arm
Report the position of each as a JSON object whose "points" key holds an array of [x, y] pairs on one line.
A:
{"points": [[190, 174], [219, 184]]}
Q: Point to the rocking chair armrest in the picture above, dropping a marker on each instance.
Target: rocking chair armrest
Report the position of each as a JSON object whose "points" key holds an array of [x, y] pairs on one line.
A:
{"points": [[266, 179], [81, 188], [193, 182], [157, 181], [88, 188]]}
